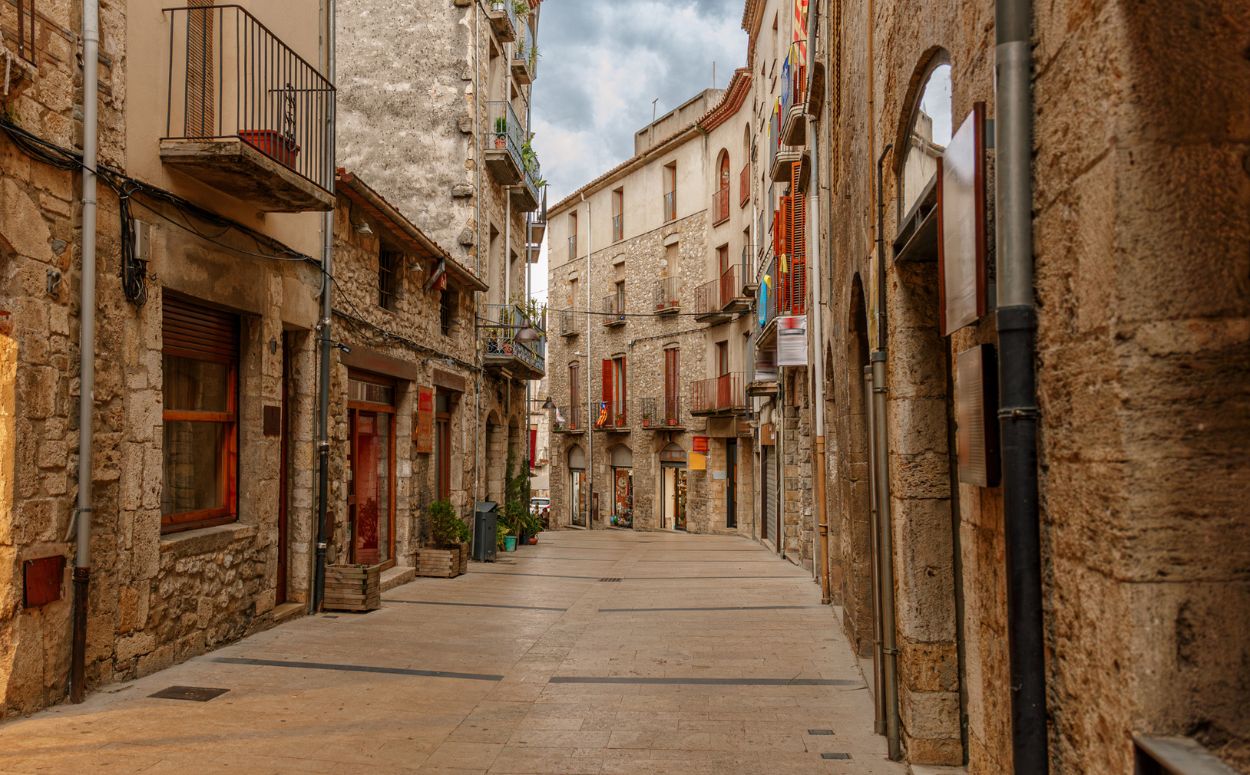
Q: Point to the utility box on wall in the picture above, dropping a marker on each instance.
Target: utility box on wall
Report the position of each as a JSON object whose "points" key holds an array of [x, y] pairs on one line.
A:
{"points": [[42, 579], [976, 408]]}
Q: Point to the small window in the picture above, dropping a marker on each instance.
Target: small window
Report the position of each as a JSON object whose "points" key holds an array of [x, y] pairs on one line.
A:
{"points": [[388, 277], [200, 350], [670, 192], [618, 215], [447, 311]]}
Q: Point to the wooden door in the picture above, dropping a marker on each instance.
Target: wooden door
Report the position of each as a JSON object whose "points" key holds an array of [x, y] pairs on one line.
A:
{"points": [[371, 487], [731, 483], [284, 457]]}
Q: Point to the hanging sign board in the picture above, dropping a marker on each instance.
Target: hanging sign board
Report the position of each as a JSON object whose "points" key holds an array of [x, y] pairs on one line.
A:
{"points": [[424, 435], [792, 341], [698, 461], [961, 225], [768, 435], [700, 444]]}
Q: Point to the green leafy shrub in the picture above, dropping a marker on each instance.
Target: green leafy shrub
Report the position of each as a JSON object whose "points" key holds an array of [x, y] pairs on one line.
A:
{"points": [[446, 529]]}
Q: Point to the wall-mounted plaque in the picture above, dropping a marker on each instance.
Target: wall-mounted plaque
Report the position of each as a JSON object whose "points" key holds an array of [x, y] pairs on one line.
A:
{"points": [[976, 416], [961, 225]]}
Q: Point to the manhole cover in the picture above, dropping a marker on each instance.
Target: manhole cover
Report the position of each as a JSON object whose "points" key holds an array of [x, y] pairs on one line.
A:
{"points": [[191, 693], [835, 756], [610, 580]]}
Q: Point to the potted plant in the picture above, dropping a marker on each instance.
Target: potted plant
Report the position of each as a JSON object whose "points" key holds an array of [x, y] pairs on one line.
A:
{"points": [[501, 132], [501, 536], [521, 8], [446, 554], [273, 144]]}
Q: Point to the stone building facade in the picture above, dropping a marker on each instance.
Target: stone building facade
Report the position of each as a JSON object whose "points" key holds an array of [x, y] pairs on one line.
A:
{"points": [[635, 278], [448, 143], [193, 328], [1140, 441]]}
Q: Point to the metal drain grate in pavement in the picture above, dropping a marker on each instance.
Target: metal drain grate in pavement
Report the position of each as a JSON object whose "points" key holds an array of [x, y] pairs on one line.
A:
{"points": [[191, 693], [610, 580], [835, 756], [816, 732]]}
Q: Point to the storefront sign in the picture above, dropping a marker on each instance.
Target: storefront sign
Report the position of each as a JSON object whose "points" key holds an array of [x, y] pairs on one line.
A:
{"points": [[698, 461], [424, 435], [792, 341], [700, 444]]}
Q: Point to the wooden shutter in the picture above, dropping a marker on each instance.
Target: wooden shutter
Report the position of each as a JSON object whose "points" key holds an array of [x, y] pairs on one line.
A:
{"points": [[606, 386], [193, 330], [798, 245], [622, 399]]}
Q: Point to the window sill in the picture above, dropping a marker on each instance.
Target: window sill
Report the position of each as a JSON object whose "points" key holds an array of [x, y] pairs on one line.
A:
{"points": [[205, 540]]}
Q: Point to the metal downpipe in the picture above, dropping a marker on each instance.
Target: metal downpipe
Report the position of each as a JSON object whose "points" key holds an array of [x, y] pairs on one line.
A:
{"points": [[590, 401], [878, 661], [818, 373], [86, 348], [1018, 411], [326, 345]]}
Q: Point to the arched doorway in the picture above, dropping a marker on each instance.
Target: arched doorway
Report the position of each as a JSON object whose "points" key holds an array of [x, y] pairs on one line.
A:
{"points": [[622, 460], [673, 487], [577, 486]]}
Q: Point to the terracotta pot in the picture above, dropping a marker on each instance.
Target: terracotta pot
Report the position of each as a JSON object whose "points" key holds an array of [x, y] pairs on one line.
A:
{"points": [[271, 143], [533, 540]]}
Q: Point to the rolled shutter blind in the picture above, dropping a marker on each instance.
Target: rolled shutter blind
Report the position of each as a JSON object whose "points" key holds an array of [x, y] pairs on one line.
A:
{"points": [[196, 331]]}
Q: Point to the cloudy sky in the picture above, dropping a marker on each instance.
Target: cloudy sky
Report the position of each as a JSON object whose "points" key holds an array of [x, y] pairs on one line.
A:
{"points": [[601, 64]]}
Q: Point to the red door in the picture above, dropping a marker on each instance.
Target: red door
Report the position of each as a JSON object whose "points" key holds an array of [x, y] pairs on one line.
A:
{"points": [[370, 503]]}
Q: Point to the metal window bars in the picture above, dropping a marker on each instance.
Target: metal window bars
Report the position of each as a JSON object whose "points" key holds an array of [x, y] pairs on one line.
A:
{"points": [[660, 413], [17, 29], [666, 296], [506, 132], [613, 309], [231, 77], [670, 206]]}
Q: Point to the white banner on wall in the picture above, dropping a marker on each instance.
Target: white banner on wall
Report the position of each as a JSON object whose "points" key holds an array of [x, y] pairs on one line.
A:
{"points": [[792, 341]]}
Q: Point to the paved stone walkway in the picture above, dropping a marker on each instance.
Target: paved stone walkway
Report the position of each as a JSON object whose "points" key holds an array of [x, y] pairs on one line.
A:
{"points": [[709, 655]]}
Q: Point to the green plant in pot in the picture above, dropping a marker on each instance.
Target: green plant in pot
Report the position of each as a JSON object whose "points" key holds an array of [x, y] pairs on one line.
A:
{"points": [[447, 531], [501, 132]]}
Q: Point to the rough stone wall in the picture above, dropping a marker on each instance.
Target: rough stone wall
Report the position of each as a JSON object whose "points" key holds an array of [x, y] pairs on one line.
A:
{"points": [[642, 340], [797, 504], [1143, 254], [412, 334]]}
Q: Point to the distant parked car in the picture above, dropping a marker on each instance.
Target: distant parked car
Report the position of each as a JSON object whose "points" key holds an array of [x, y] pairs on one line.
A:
{"points": [[538, 504]]}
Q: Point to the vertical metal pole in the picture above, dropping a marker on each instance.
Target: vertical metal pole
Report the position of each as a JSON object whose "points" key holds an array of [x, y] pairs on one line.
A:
{"points": [[885, 542], [1018, 412], [86, 347], [327, 311], [878, 662], [590, 429], [818, 371]]}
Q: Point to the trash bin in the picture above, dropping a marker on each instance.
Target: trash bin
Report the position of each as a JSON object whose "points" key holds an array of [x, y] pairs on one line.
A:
{"points": [[485, 520]]}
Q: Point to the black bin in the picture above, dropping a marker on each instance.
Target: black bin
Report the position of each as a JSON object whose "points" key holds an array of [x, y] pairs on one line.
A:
{"points": [[485, 522]]}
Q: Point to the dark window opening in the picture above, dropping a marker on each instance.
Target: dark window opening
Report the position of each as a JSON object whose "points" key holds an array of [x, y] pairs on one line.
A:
{"points": [[388, 277]]}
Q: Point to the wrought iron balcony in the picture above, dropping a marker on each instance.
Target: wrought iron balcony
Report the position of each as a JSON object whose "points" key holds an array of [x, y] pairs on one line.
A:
{"points": [[568, 419], [613, 310], [720, 206], [525, 196], [618, 227], [719, 396], [506, 333], [746, 271], [613, 416], [658, 414], [503, 20], [707, 303], [744, 185], [794, 96], [667, 300], [572, 246], [731, 298], [503, 143], [245, 113], [524, 54], [670, 206], [570, 323]]}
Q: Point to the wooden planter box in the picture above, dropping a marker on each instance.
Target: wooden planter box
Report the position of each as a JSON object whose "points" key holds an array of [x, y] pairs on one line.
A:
{"points": [[442, 563], [353, 588]]}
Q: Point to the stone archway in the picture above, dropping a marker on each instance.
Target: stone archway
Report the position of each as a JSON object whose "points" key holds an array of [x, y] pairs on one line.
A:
{"points": [[855, 488]]}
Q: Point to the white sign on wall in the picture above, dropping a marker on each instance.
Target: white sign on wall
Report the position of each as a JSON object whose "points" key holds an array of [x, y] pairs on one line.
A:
{"points": [[792, 341]]}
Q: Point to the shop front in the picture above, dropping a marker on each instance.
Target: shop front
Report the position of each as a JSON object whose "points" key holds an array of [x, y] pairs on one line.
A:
{"points": [[622, 487], [371, 463], [673, 488], [578, 511]]}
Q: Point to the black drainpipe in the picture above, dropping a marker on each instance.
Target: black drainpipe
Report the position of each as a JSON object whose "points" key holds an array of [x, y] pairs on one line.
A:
{"points": [[1018, 412]]}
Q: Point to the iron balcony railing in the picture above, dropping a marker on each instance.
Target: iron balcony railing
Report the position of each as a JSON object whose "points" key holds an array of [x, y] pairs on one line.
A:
{"points": [[660, 413], [230, 77], [524, 52], [572, 246], [506, 130], [618, 228], [503, 19], [719, 395], [744, 185], [729, 286], [570, 323], [503, 337], [568, 419], [720, 206], [670, 206], [746, 269], [613, 415], [613, 309], [533, 177], [666, 295], [707, 298], [18, 25]]}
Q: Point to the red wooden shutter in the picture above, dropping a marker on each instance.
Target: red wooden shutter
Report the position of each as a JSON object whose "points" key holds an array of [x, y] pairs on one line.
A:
{"points": [[798, 249], [607, 382], [195, 331]]}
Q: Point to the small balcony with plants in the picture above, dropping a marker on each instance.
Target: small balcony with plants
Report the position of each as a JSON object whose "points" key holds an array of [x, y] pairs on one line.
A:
{"points": [[504, 143], [667, 296], [245, 113], [514, 340], [504, 18], [524, 54], [613, 416], [525, 196], [661, 414], [794, 96], [568, 419], [707, 304]]}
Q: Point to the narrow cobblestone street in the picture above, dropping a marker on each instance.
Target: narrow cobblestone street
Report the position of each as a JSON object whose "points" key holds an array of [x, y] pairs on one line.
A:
{"points": [[709, 655]]}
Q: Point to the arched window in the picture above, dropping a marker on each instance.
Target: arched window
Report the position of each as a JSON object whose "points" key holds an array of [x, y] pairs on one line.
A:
{"points": [[928, 134], [723, 164], [720, 200]]}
